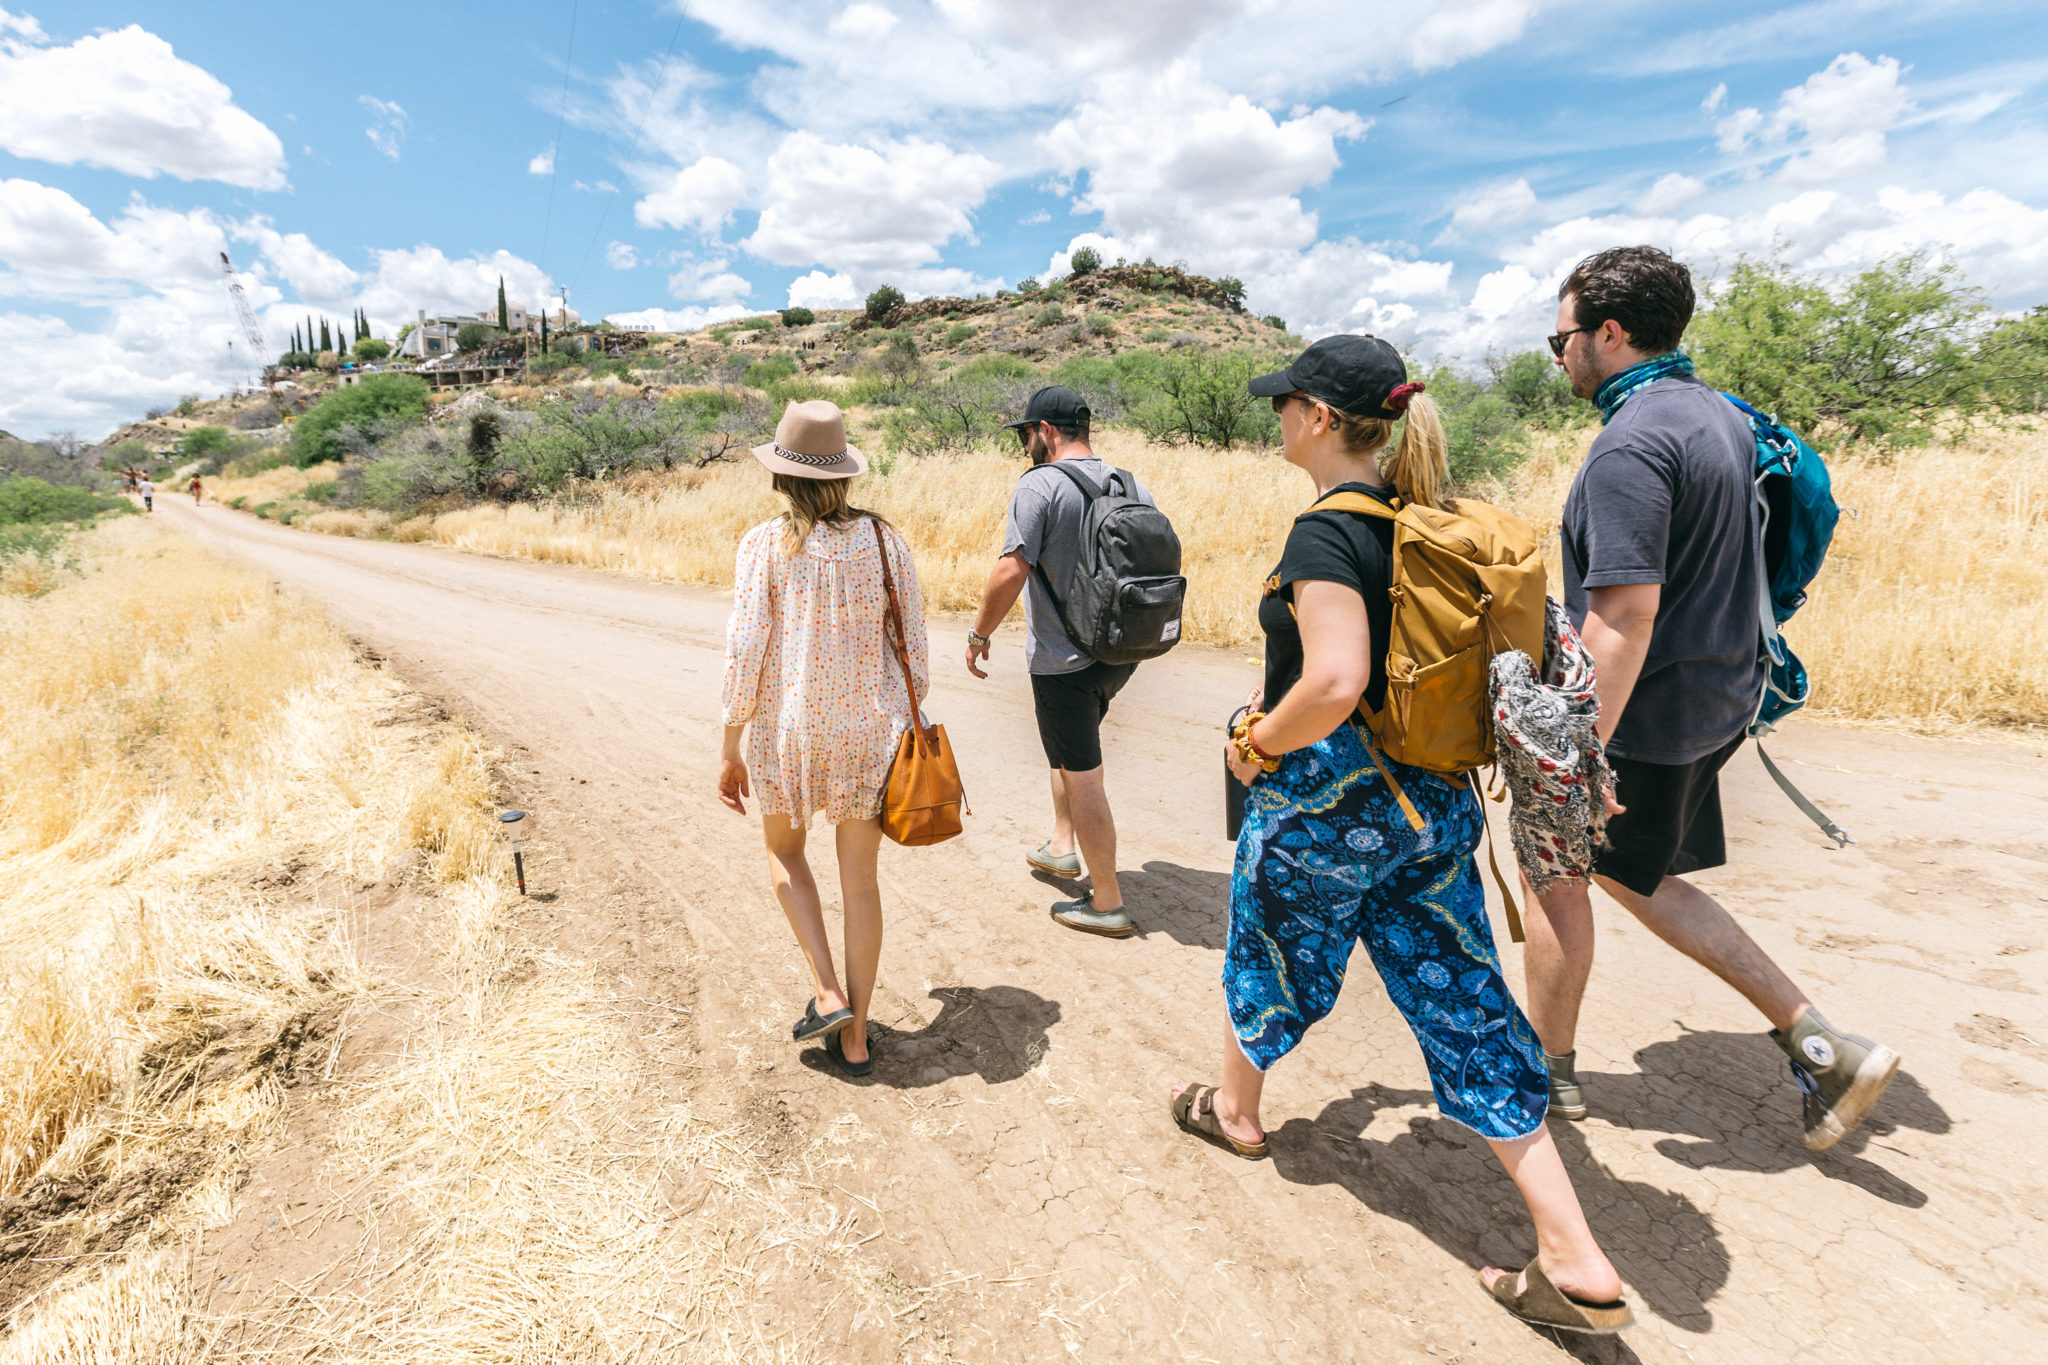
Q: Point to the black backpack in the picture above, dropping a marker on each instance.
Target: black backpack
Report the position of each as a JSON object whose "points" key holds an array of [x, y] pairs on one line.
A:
{"points": [[1123, 602]]}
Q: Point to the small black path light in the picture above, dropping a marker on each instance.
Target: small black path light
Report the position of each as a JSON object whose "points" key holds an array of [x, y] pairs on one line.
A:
{"points": [[512, 818]]}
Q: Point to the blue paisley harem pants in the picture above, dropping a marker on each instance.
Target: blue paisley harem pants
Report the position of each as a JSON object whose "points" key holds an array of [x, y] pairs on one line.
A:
{"points": [[1327, 858]]}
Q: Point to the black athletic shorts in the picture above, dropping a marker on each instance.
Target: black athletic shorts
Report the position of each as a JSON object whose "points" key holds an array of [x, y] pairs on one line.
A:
{"points": [[1672, 824], [1070, 710]]}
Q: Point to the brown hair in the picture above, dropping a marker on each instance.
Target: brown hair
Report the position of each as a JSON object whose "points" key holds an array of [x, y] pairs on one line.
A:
{"points": [[810, 502], [1648, 295], [1419, 467]]}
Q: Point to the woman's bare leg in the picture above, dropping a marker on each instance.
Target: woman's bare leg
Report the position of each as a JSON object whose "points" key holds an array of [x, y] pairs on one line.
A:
{"points": [[1564, 1244], [1237, 1098], [797, 891], [859, 842]]}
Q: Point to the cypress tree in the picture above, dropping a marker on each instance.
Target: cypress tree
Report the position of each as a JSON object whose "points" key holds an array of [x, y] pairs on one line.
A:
{"points": [[326, 338], [504, 318], [543, 333]]}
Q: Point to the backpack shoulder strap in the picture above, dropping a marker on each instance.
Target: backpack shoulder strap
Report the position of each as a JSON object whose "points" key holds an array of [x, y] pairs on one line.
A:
{"points": [[1362, 503], [1089, 492]]}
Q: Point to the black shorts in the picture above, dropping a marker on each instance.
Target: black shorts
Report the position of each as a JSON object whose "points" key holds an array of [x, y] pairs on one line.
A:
{"points": [[1070, 710], [1672, 824]]}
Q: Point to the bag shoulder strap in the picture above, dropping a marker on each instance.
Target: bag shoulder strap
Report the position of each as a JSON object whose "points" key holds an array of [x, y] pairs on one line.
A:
{"points": [[1362, 503], [1089, 492], [897, 643]]}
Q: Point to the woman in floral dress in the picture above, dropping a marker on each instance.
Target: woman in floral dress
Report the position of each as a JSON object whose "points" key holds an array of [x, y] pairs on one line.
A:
{"points": [[813, 686]]}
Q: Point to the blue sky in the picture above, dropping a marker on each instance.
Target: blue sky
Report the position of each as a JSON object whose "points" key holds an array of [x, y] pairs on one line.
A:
{"points": [[1425, 171]]}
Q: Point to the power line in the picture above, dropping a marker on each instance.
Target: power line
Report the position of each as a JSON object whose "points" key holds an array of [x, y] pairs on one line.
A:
{"points": [[561, 118], [660, 80]]}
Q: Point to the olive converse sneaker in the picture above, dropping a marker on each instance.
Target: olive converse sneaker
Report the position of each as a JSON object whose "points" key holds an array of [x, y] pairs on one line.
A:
{"points": [[1840, 1075], [1566, 1099]]}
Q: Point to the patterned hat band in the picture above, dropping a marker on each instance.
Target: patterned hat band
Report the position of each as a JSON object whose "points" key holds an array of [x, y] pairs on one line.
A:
{"points": [[801, 458]]}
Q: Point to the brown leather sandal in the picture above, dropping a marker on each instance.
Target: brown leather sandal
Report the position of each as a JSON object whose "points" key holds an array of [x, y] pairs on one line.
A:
{"points": [[1542, 1303], [1194, 1111]]}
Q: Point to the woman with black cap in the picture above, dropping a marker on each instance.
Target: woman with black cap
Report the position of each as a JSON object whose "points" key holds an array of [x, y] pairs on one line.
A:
{"points": [[1343, 845]]}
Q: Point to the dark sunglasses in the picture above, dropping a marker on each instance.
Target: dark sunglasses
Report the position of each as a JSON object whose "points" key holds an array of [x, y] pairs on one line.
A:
{"points": [[1558, 339]]}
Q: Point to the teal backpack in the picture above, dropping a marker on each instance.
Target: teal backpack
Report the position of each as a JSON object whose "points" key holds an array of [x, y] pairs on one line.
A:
{"points": [[1799, 516]]}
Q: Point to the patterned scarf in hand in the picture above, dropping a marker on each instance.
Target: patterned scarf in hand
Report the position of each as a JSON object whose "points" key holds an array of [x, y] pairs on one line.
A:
{"points": [[1619, 388], [1548, 754]]}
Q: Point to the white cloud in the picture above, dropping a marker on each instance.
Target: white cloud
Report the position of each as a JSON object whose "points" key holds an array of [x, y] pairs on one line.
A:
{"points": [[702, 195], [1496, 206], [1833, 126], [543, 162], [1178, 167], [1034, 219], [869, 211], [821, 290], [862, 21], [621, 256], [1715, 97], [708, 280], [1671, 191], [388, 124], [678, 319], [124, 101]]}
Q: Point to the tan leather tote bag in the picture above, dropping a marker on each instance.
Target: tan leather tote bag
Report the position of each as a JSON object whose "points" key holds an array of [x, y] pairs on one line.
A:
{"points": [[923, 799]]}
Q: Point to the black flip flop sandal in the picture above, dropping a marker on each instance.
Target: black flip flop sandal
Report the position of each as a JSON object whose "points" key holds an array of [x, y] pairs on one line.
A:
{"points": [[813, 1023], [1545, 1305], [838, 1056], [1194, 1110]]}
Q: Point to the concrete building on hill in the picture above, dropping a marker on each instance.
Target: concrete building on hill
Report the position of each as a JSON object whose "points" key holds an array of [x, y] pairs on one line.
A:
{"points": [[432, 337]]}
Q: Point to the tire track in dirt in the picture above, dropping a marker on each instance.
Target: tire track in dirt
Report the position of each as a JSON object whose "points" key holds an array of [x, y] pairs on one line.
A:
{"points": [[1013, 1144]]}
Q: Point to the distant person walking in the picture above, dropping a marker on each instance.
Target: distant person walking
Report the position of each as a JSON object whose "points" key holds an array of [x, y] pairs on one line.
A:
{"points": [[1342, 845], [812, 683], [1662, 577], [197, 490], [1070, 690], [148, 491]]}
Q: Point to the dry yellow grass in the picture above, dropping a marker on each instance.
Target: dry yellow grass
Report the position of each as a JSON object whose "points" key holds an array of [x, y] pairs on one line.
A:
{"points": [[529, 1183], [1922, 617]]}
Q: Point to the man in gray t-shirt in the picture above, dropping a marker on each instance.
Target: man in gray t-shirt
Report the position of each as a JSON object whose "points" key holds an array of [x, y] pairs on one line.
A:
{"points": [[1661, 575], [1070, 691]]}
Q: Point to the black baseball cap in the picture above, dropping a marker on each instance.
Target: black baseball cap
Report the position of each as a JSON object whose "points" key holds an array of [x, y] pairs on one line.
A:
{"points": [[1057, 404], [1353, 374]]}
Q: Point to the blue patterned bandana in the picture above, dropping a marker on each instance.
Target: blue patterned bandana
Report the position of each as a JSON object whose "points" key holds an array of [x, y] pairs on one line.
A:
{"points": [[1619, 388]]}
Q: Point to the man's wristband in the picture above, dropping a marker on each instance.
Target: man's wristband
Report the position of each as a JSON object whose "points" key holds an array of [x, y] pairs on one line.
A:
{"points": [[978, 641]]}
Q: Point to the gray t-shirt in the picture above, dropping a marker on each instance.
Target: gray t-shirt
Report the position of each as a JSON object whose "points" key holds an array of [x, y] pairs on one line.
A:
{"points": [[1667, 495], [1046, 511]]}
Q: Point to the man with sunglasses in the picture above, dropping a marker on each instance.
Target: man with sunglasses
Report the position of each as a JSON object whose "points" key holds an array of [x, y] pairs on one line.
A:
{"points": [[1070, 690], [1663, 577]]}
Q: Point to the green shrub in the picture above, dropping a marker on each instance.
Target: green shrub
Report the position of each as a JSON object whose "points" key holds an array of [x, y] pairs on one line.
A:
{"points": [[884, 301], [207, 443], [763, 373], [373, 408], [756, 324], [471, 335], [1275, 321], [1102, 324], [1086, 261], [30, 540], [321, 492], [1483, 435], [591, 438], [1201, 399], [1532, 386], [957, 333], [1052, 315], [1057, 290], [372, 348], [264, 509], [1156, 336], [798, 317], [547, 365], [31, 501], [1029, 286]]}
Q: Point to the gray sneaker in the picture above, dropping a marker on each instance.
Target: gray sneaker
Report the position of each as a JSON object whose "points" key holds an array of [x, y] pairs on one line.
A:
{"points": [[1083, 915], [1066, 865], [1567, 1101], [1839, 1074]]}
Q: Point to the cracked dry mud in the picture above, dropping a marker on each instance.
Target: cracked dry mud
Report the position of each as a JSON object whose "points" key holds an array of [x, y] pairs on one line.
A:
{"points": [[1013, 1143]]}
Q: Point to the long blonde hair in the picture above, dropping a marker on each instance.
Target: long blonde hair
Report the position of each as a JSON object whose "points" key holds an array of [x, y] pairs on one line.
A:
{"points": [[1420, 466], [810, 502]]}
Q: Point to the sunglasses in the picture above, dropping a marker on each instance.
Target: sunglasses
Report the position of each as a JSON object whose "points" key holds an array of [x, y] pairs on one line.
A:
{"points": [[1558, 339]]}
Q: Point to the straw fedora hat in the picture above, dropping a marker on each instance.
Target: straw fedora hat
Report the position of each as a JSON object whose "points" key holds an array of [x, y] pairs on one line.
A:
{"points": [[810, 443]]}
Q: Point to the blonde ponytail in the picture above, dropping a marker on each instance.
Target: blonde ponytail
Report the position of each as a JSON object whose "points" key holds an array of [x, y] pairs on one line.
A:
{"points": [[1420, 467]]}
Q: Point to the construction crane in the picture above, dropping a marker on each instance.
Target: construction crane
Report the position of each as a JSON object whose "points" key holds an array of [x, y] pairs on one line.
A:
{"points": [[252, 332]]}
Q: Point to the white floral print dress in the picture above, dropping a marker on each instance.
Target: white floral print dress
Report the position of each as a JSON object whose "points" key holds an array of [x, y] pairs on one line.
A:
{"points": [[808, 669]]}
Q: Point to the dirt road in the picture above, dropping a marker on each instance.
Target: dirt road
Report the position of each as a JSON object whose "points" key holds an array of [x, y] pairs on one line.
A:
{"points": [[1015, 1129]]}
